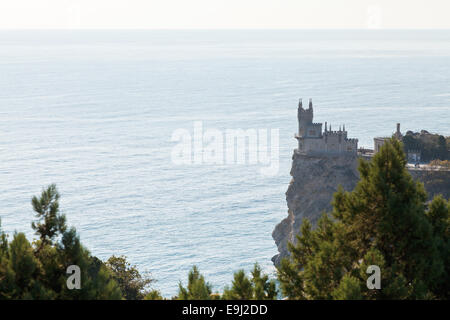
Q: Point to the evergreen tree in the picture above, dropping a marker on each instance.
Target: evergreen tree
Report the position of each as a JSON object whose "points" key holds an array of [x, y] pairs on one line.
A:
{"points": [[50, 221], [263, 288], [153, 295], [439, 217], [97, 282], [197, 287], [349, 289], [241, 288], [38, 270], [132, 284], [383, 222], [259, 287]]}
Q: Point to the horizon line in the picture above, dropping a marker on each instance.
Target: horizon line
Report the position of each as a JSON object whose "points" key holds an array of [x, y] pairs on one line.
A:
{"points": [[226, 29]]}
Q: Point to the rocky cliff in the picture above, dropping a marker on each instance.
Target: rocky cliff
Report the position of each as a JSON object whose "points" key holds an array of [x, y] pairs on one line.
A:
{"points": [[316, 178]]}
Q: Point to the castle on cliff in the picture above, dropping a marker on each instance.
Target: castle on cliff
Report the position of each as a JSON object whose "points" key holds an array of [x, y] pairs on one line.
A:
{"points": [[313, 140]]}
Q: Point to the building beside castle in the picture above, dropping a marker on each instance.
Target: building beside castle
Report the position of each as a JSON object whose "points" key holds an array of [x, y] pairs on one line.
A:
{"points": [[378, 142], [313, 140], [413, 156]]}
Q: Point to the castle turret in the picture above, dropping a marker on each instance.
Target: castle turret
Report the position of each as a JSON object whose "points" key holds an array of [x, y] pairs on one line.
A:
{"points": [[305, 118], [311, 139], [300, 110], [398, 134]]}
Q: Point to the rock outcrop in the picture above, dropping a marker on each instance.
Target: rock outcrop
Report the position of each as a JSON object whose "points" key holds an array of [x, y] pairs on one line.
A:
{"points": [[314, 181]]}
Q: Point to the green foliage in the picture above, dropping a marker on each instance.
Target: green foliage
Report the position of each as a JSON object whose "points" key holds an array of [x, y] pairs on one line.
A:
{"points": [[259, 287], [241, 289], [21, 270], [132, 284], [197, 288], [96, 280], [50, 221], [349, 289], [38, 270], [153, 295], [263, 288], [439, 217], [431, 146], [384, 221]]}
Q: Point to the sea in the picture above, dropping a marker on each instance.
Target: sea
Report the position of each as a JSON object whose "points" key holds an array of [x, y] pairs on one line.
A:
{"points": [[95, 112]]}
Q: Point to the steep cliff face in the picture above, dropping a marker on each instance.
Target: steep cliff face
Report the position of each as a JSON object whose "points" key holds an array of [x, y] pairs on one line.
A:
{"points": [[316, 179]]}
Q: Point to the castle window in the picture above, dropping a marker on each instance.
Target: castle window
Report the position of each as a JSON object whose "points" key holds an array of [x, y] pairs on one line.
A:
{"points": [[312, 132]]}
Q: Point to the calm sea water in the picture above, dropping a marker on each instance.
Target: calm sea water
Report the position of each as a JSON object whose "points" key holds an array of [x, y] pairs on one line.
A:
{"points": [[94, 112]]}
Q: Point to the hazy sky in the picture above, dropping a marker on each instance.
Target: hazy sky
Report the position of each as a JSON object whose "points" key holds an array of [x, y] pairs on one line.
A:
{"points": [[213, 14]]}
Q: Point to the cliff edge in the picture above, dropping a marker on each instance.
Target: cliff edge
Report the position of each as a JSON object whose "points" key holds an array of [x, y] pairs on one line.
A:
{"points": [[314, 181]]}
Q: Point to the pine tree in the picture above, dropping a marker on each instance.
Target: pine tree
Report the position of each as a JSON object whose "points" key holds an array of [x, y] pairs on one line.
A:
{"points": [[50, 221], [258, 287], [97, 282], [383, 222], [349, 289], [21, 272], [241, 288], [439, 217], [153, 295], [38, 270], [263, 288], [197, 287]]}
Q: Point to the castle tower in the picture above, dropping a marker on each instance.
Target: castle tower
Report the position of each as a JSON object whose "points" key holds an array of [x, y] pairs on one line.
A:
{"points": [[299, 111], [398, 134], [305, 118]]}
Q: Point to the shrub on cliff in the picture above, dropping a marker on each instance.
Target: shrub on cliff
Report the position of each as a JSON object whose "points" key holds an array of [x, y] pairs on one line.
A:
{"points": [[384, 221]]}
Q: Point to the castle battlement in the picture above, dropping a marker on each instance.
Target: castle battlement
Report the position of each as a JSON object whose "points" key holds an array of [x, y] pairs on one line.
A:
{"points": [[313, 140]]}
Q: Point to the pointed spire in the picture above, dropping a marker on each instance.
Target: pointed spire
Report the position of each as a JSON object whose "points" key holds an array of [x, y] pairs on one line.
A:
{"points": [[343, 128], [340, 128], [300, 104], [310, 103], [325, 126]]}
